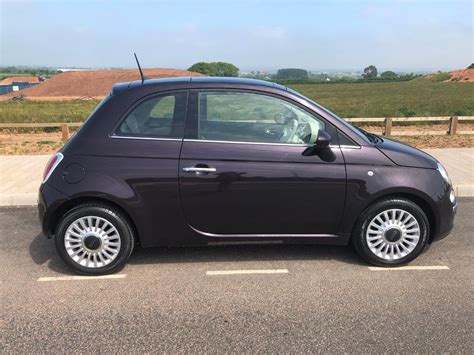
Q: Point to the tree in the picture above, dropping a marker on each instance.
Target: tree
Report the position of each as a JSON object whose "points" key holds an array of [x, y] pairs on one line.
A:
{"points": [[291, 73], [225, 69], [471, 66], [389, 75], [215, 69], [200, 67], [370, 72]]}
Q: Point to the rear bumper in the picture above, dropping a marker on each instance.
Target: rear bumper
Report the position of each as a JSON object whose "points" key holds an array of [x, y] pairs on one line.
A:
{"points": [[49, 201]]}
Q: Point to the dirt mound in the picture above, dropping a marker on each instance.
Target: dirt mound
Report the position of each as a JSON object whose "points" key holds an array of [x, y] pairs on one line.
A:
{"points": [[92, 83], [465, 75], [19, 79], [462, 76]]}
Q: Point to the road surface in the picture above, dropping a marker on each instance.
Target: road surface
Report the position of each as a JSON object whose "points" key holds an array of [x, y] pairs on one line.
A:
{"points": [[256, 298]]}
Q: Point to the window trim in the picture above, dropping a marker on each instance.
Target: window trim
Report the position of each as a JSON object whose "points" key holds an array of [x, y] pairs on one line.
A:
{"points": [[138, 102], [147, 138], [263, 93], [306, 145]]}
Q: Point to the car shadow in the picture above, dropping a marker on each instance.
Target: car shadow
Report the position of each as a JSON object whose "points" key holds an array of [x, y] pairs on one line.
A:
{"points": [[243, 253], [43, 252]]}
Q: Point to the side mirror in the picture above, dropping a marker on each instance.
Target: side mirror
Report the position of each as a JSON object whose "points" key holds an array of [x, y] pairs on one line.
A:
{"points": [[323, 140]]}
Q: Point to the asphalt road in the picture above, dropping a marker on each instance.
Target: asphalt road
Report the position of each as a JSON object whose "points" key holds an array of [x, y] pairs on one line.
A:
{"points": [[166, 301]]}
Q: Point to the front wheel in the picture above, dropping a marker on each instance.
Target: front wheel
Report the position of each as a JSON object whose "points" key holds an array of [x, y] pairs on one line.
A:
{"points": [[391, 232], [94, 239]]}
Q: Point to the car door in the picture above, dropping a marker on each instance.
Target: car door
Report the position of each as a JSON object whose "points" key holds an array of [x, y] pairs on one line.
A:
{"points": [[248, 168], [141, 156]]}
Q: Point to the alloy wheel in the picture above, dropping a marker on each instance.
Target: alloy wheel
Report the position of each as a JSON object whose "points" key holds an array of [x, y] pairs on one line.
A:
{"points": [[393, 234], [92, 241]]}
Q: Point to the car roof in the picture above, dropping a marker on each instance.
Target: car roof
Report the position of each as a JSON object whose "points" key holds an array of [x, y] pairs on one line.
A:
{"points": [[235, 81], [119, 87]]}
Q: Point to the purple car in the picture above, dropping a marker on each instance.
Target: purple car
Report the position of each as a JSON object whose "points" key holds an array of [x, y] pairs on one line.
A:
{"points": [[195, 161]]}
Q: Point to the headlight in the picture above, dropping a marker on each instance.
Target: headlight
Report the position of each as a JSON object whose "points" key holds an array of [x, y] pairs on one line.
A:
{"points": [[452, 197], [444, 174]]}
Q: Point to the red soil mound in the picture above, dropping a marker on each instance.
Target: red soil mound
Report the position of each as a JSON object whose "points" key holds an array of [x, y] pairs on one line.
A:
{"points": [[22, 79], [466, 75], [92, 83]]}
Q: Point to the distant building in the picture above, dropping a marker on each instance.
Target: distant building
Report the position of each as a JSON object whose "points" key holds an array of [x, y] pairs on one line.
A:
{"points": [[63, 70], [17, 83]]}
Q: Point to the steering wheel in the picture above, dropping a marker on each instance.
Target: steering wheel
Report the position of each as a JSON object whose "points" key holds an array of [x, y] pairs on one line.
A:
{"points": [[288, 131]]}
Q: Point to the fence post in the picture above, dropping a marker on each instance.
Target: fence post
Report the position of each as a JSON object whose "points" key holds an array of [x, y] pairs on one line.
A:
{"points": [[65, 131], [453, 125], [388, 126]]}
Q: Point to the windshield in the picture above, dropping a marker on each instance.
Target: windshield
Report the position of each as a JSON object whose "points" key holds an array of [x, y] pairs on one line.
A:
{"points": [[361, 133]]}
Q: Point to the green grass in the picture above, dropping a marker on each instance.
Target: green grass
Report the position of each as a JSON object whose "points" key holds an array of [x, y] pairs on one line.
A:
{"points": [[396, 99], [45, 111], [440, 77], [421, 98]]}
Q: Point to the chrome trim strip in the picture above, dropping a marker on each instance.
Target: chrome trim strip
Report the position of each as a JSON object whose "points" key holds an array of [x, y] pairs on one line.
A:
{"points": [[350, 147], [263, 143], [245, 242], [148, 138], [194, 169], [252, 143], [213, 235], [230, 142]]}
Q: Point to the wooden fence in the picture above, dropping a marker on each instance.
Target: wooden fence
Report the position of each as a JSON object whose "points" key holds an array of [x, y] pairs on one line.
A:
{"points": [[452, 125]]}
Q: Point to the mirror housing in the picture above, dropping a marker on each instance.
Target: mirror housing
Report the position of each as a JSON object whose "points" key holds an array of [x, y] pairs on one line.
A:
{"points": [[323, 141]]}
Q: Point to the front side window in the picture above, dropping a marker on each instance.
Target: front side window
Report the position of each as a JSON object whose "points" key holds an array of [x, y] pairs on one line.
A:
{"points": [[157, 117], [251, 117]]}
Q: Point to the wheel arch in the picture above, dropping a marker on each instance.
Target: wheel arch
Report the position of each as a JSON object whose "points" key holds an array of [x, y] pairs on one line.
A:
{"points": [[423, 203], [72, 203]]}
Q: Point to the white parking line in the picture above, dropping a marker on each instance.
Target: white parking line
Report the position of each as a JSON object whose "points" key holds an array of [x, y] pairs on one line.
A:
{"points": [[246, 272], [75, 278], [403, 268]]}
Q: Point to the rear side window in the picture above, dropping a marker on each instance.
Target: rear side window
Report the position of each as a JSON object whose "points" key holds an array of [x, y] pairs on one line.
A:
{"points": [[157, 117]]}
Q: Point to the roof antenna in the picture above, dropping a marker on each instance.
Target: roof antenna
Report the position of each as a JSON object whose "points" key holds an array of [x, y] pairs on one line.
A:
{"points": [[139, 67]]}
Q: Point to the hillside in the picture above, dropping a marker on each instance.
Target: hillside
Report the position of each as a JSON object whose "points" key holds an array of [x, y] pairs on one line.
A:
{"points": [[462, 76], [91, 83]]}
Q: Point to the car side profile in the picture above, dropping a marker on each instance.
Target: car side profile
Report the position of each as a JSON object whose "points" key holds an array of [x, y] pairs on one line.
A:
{"points": [[195, 161]]}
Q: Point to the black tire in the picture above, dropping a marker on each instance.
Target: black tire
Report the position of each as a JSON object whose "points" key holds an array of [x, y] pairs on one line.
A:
{"points": [[111, 215], [359, 233]]}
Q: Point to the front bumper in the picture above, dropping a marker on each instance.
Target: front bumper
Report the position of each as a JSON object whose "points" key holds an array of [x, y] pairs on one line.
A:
{"points": [[446, 215]]}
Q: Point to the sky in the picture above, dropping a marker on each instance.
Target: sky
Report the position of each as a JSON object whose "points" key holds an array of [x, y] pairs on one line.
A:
{"points": [[399, 35]]}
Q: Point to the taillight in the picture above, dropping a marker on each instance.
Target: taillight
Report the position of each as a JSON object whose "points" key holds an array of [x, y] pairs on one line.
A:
{"points": [[53, 162]]}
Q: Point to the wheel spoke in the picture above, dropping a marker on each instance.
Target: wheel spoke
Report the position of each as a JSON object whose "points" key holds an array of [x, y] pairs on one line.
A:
{"points": [[375, 244], [80, 257], [83, 224], [73, 234], [376, 237], [76, 226], [113, 244]]}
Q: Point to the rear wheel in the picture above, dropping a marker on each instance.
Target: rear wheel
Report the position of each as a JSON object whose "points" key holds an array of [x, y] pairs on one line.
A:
{"points": [[94, 239], [391, 232]]}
